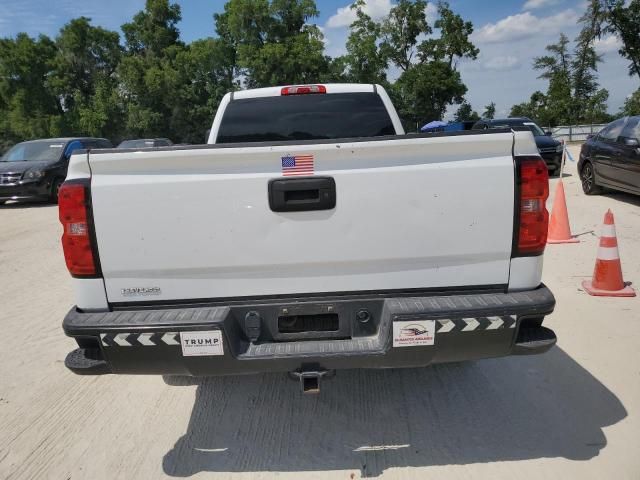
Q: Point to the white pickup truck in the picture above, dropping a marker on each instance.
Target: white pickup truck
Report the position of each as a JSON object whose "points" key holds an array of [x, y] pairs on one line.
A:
{"points": [[311, 234]]}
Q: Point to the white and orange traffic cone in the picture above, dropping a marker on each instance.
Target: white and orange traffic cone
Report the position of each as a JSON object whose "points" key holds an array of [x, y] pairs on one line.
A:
{"points": [[607, 276], [559, 229]]}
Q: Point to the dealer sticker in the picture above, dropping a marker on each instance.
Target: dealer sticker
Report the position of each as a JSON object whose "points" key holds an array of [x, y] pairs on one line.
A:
{"points": [[197, 344], [413, 333]]}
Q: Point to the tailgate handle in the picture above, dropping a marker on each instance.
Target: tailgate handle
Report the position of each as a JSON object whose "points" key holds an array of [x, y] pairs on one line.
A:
{"points": [[302, 194]]}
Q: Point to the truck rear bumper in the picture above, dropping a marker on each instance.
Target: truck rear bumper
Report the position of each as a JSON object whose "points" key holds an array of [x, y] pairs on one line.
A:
{"points": [[360, 331]]}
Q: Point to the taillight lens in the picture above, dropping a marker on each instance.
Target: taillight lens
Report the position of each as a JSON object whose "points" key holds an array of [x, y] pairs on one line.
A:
{"points": [[76, 239], [303, 90], [532, 218]]}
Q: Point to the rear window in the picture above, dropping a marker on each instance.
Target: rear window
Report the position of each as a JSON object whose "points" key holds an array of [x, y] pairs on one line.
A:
{"points": [[304, 117]]}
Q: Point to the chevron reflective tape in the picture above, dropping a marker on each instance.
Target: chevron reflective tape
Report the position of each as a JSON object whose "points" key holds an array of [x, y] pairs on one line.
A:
{"points": [[139, 339], [475, 324]]}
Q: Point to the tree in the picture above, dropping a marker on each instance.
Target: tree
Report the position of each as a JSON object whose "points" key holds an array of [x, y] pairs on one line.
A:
{"points": [[573, 94], [489, 111], [429, 81], [631, 105], [205, 73], [425, 91], [28, 106], [536, 108], [400, 31], [556, 68], [274, 41], [83, 78], [365, 61], [465, 113], [589, 102], [453, 43], [624, 21], [149, 80], [620, 18], [153, 29], [90, 82]]}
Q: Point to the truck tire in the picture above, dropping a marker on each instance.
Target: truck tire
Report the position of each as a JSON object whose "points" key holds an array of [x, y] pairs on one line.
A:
{"points": [[588, 179]]}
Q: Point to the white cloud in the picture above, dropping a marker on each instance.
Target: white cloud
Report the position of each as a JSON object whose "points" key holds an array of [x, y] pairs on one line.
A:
{"points": [[524, 25], [502, 63], [533, 4], [431, 12], [607, 44], [376, 9], [345, 16]]}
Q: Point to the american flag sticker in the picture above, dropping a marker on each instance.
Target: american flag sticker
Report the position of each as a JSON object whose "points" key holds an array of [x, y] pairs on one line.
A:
{"points": [[297, 165]]}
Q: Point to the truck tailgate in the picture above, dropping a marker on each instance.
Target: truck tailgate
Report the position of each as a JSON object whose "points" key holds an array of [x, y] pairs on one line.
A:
{"points": [[411, 213]]}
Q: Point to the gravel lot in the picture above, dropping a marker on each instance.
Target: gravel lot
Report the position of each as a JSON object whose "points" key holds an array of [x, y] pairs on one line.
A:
{"points": [[571, 413]]}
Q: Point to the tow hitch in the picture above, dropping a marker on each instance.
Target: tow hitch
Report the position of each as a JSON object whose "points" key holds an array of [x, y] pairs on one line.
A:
{"points": [[310, 379]]}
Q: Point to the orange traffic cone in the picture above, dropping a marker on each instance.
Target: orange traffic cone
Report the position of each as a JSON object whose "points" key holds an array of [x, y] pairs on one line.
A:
{"points": [[607, 276], [559, 229]]}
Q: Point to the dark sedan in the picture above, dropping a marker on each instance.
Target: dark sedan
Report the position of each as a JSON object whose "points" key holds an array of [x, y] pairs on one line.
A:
{"points": [[611, 158], [550, 149], [34, 170]]}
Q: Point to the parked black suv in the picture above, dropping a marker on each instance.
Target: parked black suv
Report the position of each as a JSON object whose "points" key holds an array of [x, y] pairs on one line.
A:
{"points": [[550, 149], [34, 170], [612, 158]]}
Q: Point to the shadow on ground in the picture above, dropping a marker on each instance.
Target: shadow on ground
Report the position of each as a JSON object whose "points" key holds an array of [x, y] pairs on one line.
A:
{"points": [[493, 410], [623, 197]]}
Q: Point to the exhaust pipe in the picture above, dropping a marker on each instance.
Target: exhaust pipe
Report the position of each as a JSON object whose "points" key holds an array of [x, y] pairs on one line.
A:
{"points": [[310, 380]]}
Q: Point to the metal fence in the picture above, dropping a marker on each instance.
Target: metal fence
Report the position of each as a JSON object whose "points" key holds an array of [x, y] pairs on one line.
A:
{"points": [[576, 133]]}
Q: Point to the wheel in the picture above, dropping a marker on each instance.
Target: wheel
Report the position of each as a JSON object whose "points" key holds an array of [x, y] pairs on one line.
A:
{"points": [[55, 189], [588, 178]]}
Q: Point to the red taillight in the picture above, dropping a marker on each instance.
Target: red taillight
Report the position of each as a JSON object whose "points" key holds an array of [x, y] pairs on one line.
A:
{"points": [[303, 90], [532, 218], [76, 238]]}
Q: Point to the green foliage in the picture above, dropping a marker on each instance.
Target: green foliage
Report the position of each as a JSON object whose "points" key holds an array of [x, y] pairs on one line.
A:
{"points": [[489, 111], [426, 90], [148, 83], [83, 78], [429, 82], [465, 113], [275, 45], [400, 31], [148, 74], [573, 95], [623, 20], [365, 62], [536, 108], [631, 105], [454, 40], [28, 107], [556, 106], [153, 30]]}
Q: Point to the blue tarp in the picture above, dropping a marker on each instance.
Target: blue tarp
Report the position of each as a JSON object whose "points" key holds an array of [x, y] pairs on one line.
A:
{"points": [[434, 126]]}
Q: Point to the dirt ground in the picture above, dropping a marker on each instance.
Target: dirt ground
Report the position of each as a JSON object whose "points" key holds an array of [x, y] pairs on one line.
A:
{"points": [[571, 413]]}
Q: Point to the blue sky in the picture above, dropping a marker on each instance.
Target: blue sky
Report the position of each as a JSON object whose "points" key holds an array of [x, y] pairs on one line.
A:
{"points": [[509, 34]]}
